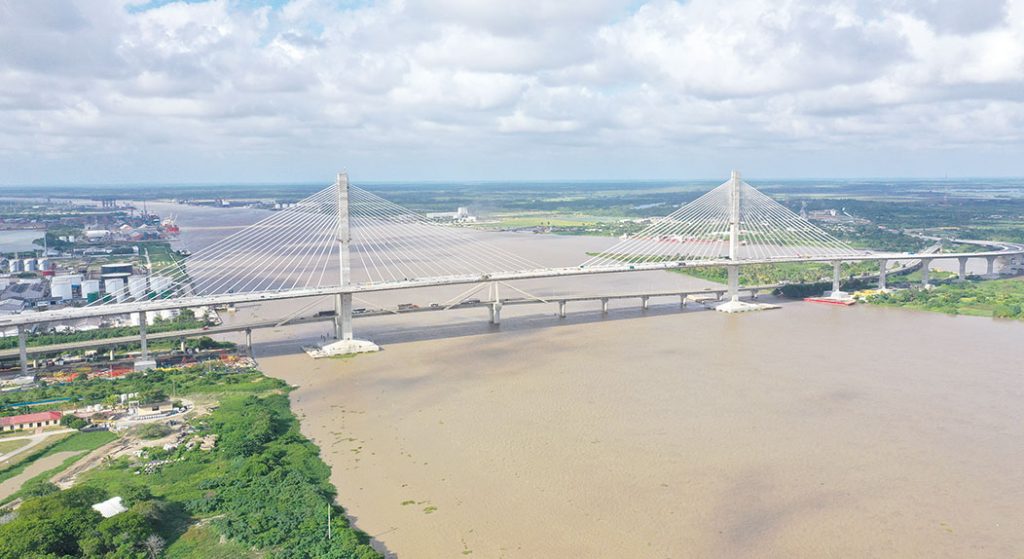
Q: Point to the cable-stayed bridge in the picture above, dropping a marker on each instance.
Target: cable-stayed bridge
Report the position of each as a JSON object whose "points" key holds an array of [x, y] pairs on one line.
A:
{"points": [[344, 240]]}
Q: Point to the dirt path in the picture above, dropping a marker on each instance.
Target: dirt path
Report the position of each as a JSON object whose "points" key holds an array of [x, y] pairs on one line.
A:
{"points": [[34, 441], [11, 486]]}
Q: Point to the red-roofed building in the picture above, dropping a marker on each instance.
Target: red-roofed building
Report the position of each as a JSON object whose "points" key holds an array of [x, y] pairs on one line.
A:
{"points": [[29, 420]]}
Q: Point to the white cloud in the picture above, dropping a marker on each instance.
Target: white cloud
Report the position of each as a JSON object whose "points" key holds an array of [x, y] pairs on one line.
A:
{"points": [[305, 87]]}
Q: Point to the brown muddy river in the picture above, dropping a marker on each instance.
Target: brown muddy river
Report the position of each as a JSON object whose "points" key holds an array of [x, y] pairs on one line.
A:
{"points": [[810, 431]]}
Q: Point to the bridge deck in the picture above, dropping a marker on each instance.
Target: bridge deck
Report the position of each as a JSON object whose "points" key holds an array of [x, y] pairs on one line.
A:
{"points": [[236, 298]]}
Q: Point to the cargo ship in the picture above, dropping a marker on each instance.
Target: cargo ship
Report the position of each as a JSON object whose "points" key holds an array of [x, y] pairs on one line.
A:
{"points": [[169, 226]]}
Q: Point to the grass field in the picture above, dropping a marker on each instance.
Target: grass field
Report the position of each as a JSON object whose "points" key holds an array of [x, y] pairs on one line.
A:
{"points": [[202, 541], [76, 442], [9, 446], [13, 468], [996, 298]]}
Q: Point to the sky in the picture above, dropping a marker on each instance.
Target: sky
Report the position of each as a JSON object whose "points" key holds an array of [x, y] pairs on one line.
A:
{"points": [[152, 92]]}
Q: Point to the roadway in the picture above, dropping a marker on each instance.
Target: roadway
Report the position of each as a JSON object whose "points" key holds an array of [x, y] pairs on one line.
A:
{"points": [[73, 313]]}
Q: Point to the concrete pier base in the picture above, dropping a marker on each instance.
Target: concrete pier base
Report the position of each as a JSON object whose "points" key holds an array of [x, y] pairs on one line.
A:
{"points": [[837, 296], [990, 267], [341, 347], [145, 364], [737, 306]]}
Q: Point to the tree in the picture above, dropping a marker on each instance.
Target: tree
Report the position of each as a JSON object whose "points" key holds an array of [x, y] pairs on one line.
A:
{"points": [[73, 421], [154, 546], [39, 488]]}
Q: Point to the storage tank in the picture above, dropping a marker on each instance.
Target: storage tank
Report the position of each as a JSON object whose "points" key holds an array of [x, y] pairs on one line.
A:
{"points": [[74, 279], [45, 264], [137, 286], [29, 264], [62, 290], [14, 266], [90, 286], [160, 285], [115, 288]]}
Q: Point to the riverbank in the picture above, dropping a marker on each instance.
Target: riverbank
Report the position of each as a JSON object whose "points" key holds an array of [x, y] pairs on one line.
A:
{"points": [[236, 479], [988, 298]]}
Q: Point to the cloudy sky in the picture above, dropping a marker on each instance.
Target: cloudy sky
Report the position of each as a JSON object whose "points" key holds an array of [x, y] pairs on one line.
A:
{"points": [[118, 91]]}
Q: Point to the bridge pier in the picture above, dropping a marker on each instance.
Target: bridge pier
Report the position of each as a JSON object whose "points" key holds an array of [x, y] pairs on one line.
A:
{"points": [[682, 300], [181, 345], [837, 274], [144, 362], [495, 312], [604, 306], [644, 302], [248, 341], [883, 269], [962, 272], [561, 309], [734, 282], [990, 267], [343, 316], [926, 265], [23, 349]]}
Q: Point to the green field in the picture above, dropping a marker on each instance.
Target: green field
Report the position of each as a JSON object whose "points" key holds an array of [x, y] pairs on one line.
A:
{"points": [[81, 443], [997, 298], [769, 274], [9, 446]]}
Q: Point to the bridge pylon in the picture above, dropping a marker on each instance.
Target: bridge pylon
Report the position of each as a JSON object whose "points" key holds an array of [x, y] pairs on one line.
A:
{"points": [[344, 343]]}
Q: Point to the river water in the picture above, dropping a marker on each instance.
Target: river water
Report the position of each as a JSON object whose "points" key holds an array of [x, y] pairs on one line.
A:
{"points": [[809, 431]]}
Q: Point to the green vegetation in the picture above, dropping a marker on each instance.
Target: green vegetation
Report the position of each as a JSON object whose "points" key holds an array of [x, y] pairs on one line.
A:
{"points": [[160, 253], [150, 431], [63, 524], [73, 422], [151, 387], [872, 237], [261, 491], [19, 462], [768, 274], [185, 321], [998, 298], [10, 446]]}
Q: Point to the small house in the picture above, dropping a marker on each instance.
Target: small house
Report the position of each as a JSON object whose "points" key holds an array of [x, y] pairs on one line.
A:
{"points": [[30, 421]]}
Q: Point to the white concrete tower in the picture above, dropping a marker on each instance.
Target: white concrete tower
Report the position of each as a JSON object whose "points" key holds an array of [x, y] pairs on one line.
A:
{"points": [[343, 301], [344, 343], [733, 304], [734, 236], [734, 216]]}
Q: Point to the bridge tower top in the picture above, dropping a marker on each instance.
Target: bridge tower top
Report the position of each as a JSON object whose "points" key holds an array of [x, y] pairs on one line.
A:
{"points": [[344, 231], [734, 215]]}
